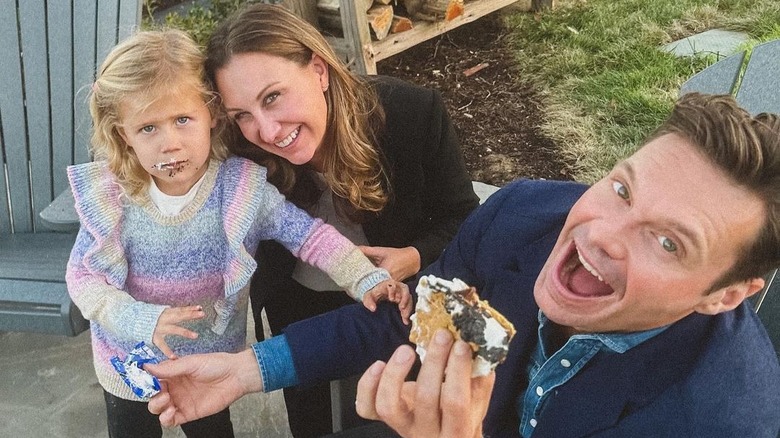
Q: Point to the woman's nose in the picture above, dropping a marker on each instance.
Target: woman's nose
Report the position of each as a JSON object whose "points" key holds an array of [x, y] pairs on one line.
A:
{"points": [[267, 129]]}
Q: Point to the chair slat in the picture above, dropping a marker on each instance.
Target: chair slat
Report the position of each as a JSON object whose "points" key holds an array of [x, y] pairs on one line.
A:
{"points": [[13, 124], [60, 16], [760, 89]]}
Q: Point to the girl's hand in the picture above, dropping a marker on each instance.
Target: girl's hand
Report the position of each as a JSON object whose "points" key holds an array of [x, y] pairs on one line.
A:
{"points": [[401, 263], [168, 324], [390, 290]]}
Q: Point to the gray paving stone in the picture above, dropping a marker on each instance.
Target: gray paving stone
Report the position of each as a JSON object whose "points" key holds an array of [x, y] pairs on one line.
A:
{"points": [[712, 42]]}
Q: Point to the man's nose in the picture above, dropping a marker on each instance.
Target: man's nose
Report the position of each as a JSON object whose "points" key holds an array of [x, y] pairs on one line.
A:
{"points": [[611, 235]]}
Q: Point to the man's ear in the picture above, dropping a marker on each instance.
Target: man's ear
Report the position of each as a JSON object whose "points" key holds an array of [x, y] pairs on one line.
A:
{"points": [[729, 297]]}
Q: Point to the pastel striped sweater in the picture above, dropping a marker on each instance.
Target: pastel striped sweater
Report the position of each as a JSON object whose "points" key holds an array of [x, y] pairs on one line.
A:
{"points": [[130, 262]]}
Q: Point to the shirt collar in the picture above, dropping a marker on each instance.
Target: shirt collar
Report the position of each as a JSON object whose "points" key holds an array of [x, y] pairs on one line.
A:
{"points": [[617, 342]]}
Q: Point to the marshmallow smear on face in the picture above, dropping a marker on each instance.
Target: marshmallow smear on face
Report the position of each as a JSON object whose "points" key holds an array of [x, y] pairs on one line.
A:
{"points": [[454, 306]]}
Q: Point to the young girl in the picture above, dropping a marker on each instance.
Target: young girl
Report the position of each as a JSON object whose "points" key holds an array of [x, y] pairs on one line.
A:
{"points": [[169, 225]]}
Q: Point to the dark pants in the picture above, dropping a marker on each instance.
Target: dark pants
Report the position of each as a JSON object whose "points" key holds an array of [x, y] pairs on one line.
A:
{"points": [[308, 409], [132, 419]]}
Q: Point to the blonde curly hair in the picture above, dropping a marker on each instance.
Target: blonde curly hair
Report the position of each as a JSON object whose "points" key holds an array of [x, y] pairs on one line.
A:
{"points": [[144, 67]]}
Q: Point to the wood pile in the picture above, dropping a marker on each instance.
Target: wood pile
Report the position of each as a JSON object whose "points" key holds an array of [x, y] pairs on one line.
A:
{"points": [[387, 17]]}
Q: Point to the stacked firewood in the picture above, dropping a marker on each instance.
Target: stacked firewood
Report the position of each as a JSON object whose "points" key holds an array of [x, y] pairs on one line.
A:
{"points": [[390, 16]]}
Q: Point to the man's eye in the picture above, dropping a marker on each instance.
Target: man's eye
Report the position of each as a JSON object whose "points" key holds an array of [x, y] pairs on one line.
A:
{"points": [[620, 189], [182, 120], [667, 244]]}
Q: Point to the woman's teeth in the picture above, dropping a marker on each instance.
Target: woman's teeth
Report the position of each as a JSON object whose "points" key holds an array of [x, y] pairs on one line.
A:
{"points": [[588, 267], [289, 139]]}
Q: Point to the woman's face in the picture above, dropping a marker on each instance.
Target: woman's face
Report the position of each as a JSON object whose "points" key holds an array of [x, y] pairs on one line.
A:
{"points": [[278, 105]]}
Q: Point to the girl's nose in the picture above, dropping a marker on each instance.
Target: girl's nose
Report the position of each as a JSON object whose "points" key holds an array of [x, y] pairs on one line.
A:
{"points": [[172, 142]]}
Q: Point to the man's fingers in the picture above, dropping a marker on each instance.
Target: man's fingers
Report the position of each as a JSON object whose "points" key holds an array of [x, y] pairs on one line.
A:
{"points": [[365, 403], [429, 382], [390, 405], [159, 402], [456, 394]]}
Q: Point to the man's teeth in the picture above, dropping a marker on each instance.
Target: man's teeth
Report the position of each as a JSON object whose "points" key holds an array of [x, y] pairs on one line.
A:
{"points": [[589, 268], [284, 143]]}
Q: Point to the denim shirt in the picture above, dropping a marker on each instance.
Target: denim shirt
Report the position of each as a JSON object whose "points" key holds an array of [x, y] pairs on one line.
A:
{"points": [[545, 374], [276, 365]]}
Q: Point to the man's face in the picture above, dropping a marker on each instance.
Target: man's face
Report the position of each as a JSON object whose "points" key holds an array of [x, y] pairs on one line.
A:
{"points": [[659, 230]]}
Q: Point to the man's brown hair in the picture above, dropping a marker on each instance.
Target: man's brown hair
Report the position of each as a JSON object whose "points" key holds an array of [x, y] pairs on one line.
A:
{"points": [[747, 149]]}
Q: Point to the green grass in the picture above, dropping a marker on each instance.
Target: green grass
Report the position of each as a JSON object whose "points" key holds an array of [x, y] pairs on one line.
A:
{"points": [[605, 85]]}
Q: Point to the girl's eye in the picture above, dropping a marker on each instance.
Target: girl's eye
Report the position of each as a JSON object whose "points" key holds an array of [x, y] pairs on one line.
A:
{"points": [[271, 98], [148, 129], [620, 189], [182, 120], [667, 244]]}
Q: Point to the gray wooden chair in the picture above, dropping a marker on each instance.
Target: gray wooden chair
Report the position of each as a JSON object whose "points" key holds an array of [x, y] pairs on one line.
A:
{"points": [[758, 90], [50, 50]]}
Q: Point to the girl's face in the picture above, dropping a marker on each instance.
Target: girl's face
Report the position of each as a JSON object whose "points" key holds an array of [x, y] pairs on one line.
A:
{"points": [[171, 137], [278, 105]]}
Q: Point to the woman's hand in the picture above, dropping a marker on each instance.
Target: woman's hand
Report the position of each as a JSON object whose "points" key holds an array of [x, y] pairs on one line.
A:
{"points": [[168, 324], [401, 263], [445, 401]]}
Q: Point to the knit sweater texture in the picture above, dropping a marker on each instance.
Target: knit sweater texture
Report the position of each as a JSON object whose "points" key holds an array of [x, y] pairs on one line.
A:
{"points": [[130, 263]]}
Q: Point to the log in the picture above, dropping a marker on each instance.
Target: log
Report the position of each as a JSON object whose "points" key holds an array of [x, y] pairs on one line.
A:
{"points": [[434, 10], [401, 24], [380, 19], [329, 13]]}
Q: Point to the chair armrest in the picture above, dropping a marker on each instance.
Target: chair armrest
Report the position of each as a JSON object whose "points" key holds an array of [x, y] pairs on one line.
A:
{"points": [[61, 214]]}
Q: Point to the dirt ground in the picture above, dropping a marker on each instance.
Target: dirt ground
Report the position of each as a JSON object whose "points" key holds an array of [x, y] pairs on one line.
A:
{"points": [[495, 114]]}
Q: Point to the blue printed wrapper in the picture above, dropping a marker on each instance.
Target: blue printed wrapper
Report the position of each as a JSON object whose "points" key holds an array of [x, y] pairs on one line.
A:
{"points": [[131, 370]]}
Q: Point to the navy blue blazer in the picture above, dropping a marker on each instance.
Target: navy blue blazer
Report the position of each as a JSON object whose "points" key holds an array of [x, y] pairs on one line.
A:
{"points": [[705, 376]]}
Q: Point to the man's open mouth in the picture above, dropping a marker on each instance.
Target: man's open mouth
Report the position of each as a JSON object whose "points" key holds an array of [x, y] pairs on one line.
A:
{"points": [[581, 278]]}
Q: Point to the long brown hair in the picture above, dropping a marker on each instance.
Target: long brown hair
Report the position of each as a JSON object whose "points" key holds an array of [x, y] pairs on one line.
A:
{"points": [[352, 164]]}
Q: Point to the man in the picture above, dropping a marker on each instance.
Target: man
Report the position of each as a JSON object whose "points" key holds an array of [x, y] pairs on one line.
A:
{"points": [[628, 297]]}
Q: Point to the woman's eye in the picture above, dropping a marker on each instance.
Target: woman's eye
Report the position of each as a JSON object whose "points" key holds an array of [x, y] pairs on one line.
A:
{"points": [[620, 189], [271, 98], [667, 244], [147, 129], [239, 117], [182, 120]]}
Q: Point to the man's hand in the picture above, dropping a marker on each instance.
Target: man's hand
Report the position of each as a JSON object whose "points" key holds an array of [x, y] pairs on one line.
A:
{"points": [[444, 401], [202, 384]]}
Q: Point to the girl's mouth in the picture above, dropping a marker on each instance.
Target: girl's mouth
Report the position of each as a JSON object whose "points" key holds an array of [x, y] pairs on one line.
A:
{"points": [[173, 166]]}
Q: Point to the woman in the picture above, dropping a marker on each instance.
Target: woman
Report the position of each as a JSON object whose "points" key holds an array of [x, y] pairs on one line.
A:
{"points": [[375, 157]]}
